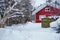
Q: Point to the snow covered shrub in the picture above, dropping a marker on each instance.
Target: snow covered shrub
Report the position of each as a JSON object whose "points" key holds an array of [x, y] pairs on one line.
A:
{"points": [[56, 25]]}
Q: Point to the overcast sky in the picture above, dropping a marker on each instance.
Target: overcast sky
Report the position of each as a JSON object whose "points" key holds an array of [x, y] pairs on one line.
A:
{"points": [[36, 3]]}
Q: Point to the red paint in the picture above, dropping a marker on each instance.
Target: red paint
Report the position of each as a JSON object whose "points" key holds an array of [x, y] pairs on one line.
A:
{"points": [[53, 11]]}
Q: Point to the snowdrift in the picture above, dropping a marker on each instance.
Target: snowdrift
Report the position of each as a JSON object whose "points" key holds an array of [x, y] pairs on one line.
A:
{"points": [[28, 31], [55, 24]]}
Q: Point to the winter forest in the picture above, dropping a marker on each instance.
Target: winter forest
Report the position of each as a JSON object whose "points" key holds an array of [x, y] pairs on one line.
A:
{"points": [[29, 19], [14, 12]]}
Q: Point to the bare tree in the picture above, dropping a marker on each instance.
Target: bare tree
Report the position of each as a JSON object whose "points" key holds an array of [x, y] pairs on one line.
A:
{"points": [[23, 8], [5, 6]]}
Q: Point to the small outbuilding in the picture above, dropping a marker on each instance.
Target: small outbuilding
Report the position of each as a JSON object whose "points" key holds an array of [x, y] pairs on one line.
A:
{"points": [[49, 10]]}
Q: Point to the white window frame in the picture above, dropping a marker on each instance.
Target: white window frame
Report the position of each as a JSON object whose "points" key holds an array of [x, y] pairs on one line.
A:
{"points": [[46, 9]]}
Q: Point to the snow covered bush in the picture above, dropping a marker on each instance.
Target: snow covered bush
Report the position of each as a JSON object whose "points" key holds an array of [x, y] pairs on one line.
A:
{"points": [[56, 25]]}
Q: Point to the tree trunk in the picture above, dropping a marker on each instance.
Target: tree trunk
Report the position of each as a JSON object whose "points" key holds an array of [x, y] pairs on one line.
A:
{"points": [[2, 22]]}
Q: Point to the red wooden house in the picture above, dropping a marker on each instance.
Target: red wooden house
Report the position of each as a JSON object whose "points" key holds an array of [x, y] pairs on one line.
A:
{"points": [[46, 11]]}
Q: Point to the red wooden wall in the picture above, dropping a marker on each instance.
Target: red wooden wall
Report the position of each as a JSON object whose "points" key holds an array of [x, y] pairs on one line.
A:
{"points": [[53, 11]]}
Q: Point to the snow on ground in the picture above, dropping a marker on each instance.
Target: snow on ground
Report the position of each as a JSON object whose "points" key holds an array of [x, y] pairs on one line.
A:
{"points": [[28, 31]]}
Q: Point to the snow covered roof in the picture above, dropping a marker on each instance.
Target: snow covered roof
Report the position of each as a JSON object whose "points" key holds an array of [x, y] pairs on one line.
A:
{"points": [[44, 5]]}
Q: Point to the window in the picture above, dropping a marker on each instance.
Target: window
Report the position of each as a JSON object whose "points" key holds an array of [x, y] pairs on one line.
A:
{"points": [[47, 9]]}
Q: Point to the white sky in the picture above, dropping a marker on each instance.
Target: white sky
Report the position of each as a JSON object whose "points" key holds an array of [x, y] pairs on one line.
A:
{"points": [[36, 3]]}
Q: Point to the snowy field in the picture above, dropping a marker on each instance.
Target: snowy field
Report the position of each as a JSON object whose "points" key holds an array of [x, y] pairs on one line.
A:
{"points": [[28, 31]]}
